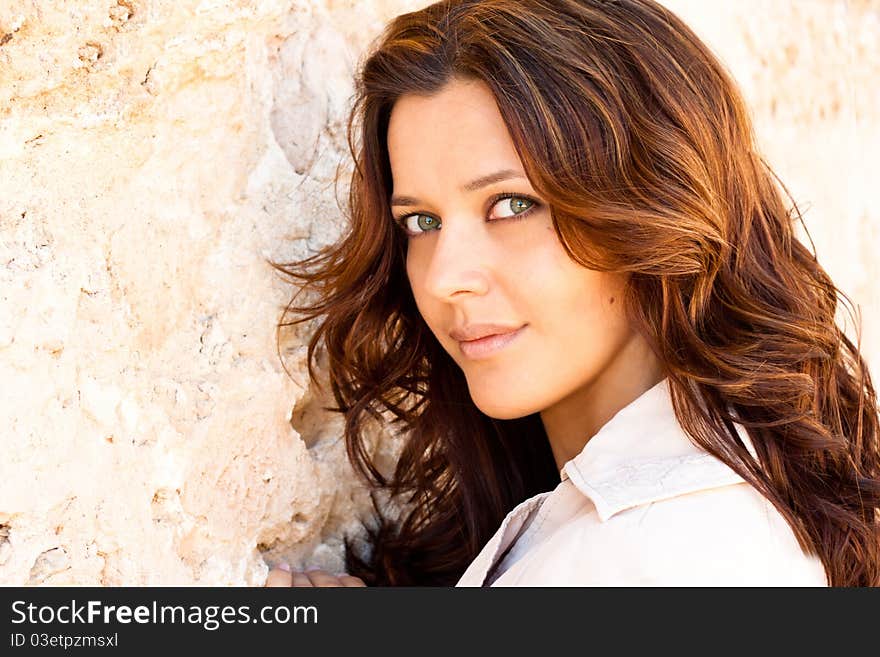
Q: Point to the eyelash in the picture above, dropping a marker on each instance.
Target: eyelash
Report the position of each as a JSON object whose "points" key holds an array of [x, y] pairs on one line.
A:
{"points": [[400, 220]]}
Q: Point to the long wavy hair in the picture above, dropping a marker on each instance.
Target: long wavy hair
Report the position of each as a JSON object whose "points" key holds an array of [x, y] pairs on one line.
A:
{"points": [[640, 142]]}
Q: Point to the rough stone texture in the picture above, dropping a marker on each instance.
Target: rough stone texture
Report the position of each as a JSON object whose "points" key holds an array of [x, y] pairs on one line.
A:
{"points": [[154, 152]]}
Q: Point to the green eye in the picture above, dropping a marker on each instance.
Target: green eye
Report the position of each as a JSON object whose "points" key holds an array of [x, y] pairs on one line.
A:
{"points": [[417, 224], [518, 203], [425, 222]]}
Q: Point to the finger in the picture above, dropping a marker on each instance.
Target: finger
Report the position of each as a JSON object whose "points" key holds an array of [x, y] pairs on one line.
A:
{"points": [[323, 578], [278, 577], [351, 580], [301, 579]]}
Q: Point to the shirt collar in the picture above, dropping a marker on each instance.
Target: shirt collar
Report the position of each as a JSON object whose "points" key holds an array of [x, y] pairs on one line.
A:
{"points": [[643, 455]]}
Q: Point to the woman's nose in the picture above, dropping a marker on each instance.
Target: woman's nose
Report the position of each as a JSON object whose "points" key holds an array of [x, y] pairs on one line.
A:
{"points": [[461, 260]]}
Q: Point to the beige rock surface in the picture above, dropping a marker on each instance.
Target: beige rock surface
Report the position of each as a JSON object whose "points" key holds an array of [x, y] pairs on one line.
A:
{"points": [[153, 153]]}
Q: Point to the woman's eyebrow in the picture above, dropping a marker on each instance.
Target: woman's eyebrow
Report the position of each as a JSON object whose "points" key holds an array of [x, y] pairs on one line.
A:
{"points": [[472, 186]]}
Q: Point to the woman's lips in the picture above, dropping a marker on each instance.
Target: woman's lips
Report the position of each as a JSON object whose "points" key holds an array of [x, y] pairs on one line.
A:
{"points": [[488, 346]]}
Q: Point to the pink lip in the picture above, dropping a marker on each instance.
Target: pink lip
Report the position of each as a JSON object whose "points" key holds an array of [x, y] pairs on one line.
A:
{"points": [[489, 345]]}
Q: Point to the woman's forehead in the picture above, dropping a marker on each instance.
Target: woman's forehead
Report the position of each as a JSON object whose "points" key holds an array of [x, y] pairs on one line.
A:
{"points": [[456, 135]]}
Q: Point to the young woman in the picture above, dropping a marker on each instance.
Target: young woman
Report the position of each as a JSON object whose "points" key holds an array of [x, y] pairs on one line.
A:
{"points": [[572, 283]]}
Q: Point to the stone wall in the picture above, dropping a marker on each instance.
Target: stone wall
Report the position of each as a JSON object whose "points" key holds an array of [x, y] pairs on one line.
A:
{"points": [[153, 154]]}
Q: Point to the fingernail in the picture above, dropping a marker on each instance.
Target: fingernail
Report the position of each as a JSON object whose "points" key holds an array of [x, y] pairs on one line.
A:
{"points": [[284, 566]]}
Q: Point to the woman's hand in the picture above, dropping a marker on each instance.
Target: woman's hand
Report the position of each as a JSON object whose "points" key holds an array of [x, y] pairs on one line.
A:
{"points": [[282, 576]]}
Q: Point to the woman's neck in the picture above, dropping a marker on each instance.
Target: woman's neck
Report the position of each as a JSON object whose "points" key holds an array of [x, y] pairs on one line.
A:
{"points": [[571, 422]]}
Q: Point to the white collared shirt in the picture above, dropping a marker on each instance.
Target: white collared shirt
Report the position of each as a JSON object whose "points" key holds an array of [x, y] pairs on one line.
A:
{"points": [[641, 505]]}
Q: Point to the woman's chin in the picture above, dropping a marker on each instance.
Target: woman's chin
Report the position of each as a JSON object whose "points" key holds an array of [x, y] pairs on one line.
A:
{"points": [[501, 408]]}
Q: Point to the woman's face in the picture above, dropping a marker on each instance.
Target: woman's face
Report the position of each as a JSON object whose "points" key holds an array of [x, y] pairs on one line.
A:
{"points": [[473, 259]]}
